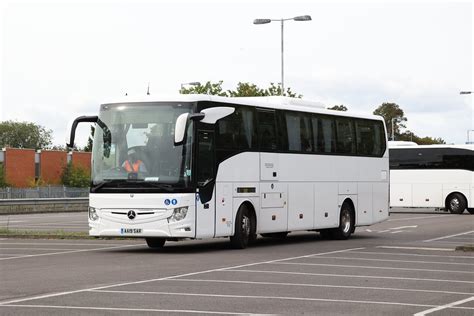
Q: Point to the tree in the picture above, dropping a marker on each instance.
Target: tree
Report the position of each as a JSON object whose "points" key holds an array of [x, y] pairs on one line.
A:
{"points": [[24, 135], [392, 113], [3, 180], [207, 88], [338, 108], [75, 176], [411, 137], [244, 89]]}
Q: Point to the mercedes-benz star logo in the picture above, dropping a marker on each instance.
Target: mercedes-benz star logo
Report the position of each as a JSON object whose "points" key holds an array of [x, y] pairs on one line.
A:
{"points": [[131, 214]]}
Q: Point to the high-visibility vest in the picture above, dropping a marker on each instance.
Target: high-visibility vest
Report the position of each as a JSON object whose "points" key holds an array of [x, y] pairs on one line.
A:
{"points": [[132, 167]]}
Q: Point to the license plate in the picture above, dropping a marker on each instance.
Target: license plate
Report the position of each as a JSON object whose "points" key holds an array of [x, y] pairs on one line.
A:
{"points": [[130, 231]]}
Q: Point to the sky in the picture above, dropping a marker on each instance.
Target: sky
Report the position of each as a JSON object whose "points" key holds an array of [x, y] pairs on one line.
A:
{"points": [[61, 59]]}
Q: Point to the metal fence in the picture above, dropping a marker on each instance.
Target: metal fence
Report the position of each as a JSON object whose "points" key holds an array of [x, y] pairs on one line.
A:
{"points": [[46, 192]]}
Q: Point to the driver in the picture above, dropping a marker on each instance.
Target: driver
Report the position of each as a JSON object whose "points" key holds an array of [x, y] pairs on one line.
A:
{"points": [[133, 164]]}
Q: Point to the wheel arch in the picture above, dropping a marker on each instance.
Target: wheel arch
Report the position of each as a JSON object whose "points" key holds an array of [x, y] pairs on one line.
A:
{"points": [[446, 199], [349, 201]]}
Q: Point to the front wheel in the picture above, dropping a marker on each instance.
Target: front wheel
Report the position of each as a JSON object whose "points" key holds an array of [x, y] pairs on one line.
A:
{"points": [[456, 203], [244, 229], [155, 242], [346, 223]]}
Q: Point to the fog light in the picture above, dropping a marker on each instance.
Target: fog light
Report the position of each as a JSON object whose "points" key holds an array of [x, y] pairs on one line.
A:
{"points": [[93, 214], [178, 214]]}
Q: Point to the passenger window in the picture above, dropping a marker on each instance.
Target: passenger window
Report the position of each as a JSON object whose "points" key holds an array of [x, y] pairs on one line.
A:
{"points": [[365, 131], [205, 157], [236, 131], [266, 130], [345, 136], [324, 134]]}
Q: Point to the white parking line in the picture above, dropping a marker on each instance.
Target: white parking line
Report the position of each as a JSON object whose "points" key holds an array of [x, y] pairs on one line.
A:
{"points": [[449, 236], [410, 254], [348, 276], [416, 248], [167, 278], [60, 243], [450, 305], [259, 297], [67, 252], [321, 285], [52, 249], [369, 267], [412, 218], [179, 311], [394, 260]]}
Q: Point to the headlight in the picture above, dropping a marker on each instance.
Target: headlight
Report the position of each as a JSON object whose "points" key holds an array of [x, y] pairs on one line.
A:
{"points": [[178, 214], [93, 214]]}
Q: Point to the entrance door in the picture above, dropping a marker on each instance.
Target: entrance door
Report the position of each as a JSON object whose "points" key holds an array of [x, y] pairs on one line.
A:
{"points": [[206, 173]]}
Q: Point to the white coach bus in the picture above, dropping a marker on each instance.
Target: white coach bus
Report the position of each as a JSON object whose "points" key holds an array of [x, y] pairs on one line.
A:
{"points": [[198, 166], [434, 176]]}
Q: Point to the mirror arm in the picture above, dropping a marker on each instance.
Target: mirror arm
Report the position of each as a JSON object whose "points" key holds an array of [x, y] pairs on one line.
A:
{"points": [[196, 116], [80, 119]]}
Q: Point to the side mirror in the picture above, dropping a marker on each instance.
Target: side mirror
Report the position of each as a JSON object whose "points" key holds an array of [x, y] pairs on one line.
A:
{"points": [[71, 130], [180, 128], [208, 116]]}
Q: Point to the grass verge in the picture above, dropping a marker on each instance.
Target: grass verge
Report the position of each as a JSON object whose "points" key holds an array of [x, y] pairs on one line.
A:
{"points": [[465, 248], [51, 234]]}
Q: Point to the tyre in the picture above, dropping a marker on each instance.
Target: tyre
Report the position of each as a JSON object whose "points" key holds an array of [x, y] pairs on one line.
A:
{"points": [[346, 223], [155, 242], [456, 203], [244, 229], [281, 235]]}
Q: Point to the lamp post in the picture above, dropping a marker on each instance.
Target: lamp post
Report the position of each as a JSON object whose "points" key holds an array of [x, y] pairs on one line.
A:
{"points": [[393, 128], [266, 21], [194, 83]]}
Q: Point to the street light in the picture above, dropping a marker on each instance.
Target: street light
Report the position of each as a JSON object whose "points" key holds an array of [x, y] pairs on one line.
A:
{"points": [[194, 83], [266, 21]]}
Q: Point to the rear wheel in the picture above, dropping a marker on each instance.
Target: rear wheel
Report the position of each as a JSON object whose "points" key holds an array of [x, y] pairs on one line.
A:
{"points": [[456, 203], [155, 242], [346, 223], [244, 229]]}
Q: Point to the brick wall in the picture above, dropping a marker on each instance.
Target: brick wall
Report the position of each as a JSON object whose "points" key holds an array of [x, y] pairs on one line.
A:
{"points": [[52, 164], [19, 166], [82, 159]]}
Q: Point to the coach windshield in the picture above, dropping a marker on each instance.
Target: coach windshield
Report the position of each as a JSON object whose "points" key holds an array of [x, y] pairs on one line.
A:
{"points": [[134, 147]]}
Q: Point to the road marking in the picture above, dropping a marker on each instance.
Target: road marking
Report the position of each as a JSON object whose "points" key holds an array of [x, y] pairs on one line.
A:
{"points": [[410, 254], [60, 243], [259, 297], [183, 311], [403, 227], [7, 221], [368, 230], [449, 236], [450, 305], [322, 285], [415, 248], [369, 267], [21, 248], [397, 231], [70, 251], [349, 276], [412, 218], [394, 260], [169, 277], [384, 231]]}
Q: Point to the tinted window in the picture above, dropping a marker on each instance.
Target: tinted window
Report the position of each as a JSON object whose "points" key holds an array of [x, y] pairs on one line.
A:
{"points": [[432, 158], [345, 136], [370, 138], [236, 131], [266, 130], [324, 134], [298, 126]]}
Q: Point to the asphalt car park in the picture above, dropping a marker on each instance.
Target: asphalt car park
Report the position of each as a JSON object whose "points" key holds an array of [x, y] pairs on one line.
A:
{"points": [[405, 265]]}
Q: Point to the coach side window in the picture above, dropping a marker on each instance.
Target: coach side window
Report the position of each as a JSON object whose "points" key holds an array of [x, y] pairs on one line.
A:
{"points": [[324, 134], [266, 130], [345, 136], [236, 131], [379, 139], [365, 132]]}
